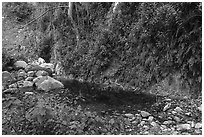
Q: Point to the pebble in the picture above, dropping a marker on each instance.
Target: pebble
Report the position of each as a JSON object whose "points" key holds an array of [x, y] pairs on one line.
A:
{"points": [[197, 131], [173, 112], [142, 123], [154, 124], [167, 107], [145, 114]]}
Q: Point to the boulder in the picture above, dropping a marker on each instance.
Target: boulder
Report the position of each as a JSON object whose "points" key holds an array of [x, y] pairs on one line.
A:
{"points": [[20, 64], [50, 84], [7, 77], [41, 73], [41, 61], [39, 80], [48, 66]]}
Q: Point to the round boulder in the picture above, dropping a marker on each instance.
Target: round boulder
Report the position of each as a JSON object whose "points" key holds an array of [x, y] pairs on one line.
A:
{"points": [[20, 64]]}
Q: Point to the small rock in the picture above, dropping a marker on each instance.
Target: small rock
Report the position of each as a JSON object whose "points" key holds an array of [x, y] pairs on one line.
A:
{"points": [[178, 110], [20, 64], [39, 80], [192, 124], [48, 66], [188, 114], [135, 122], [167, 107], [145, 114], [6, 77], [167, 122], [200, 108], [177, 119], [29, 79], [29, 93], [183, 127], [22, 74], [167, 99], [198, 125], [173, 112], [129, 115], [14, 85], [153, 124], [146, 127], [31, 73], [163, 127], [27, 84], [11, 90], [197, 131], [150, 118], [142, 123], [41, 73], [41, 61]]}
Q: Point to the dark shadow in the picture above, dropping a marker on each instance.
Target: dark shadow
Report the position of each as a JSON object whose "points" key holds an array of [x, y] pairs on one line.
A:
{"points": [[99, 98]]}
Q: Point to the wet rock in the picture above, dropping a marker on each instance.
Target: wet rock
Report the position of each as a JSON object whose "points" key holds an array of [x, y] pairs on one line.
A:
{"points": [[42, 73], [198, 125], [20, 64], [145, 114], [183, 127]]}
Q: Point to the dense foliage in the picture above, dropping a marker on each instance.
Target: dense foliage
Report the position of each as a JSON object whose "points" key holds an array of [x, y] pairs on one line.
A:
{"points": [[137, 44]]}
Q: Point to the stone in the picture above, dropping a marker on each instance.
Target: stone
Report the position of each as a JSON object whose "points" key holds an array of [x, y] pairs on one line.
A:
{"points": [[29, 93], [41, 73], [39, 80], [167, 122], [50, 84], [177, 119], [129, 115], [173, 112], [31, 73], [29, 78], [153, 124], [14, 85], [20, 64], [48, 66], [145, 114], [183, 127], [142, 123], [167, 107], [27, 84], [32, 67], [178, 110], [198, 125], [41, 61], [11, 90], [150, 119], [22, 73], [197, 131], [7, 77], [200, 108]]}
